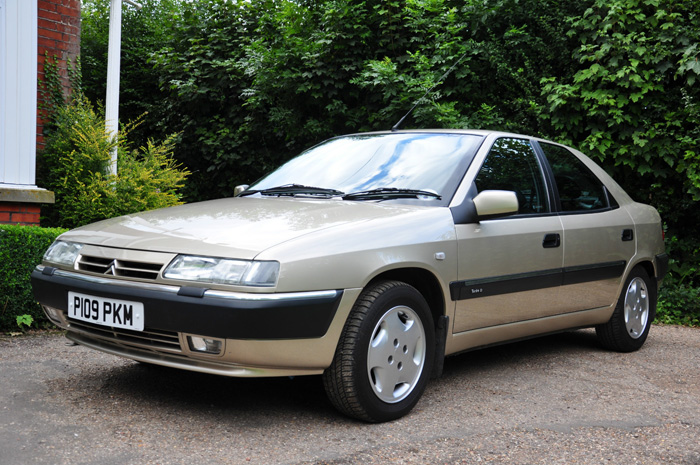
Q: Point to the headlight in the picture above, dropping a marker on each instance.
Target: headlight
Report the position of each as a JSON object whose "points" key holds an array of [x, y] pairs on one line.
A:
{"points": [[223, 271], [63, 253]]}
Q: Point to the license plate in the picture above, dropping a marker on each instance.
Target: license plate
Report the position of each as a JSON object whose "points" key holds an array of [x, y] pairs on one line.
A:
{"points": [[106, 311]]}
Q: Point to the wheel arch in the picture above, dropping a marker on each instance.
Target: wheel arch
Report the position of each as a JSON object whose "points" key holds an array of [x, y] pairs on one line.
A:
{"points": [[648, 266], [424, 281]]}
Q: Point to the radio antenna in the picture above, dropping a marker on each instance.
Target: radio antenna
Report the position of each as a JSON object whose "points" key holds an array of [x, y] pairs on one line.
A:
{"points": [[398, 125]]}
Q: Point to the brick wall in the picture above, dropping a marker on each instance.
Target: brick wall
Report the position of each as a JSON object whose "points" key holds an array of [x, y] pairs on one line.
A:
{"points": [[19, 213], [59, 36]]}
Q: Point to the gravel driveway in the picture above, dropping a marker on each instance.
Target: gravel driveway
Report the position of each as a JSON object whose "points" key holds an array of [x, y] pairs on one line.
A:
{"points": [[554, 400]]}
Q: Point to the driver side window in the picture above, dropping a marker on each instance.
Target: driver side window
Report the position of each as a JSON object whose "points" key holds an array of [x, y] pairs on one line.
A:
{"points": [[512, 165]]}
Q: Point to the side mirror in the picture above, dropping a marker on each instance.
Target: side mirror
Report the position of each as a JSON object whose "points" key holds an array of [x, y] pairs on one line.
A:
{"points": [[238, 189], [495, 204]]}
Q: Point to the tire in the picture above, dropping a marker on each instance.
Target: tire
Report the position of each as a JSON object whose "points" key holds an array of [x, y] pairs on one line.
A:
{"points": [[384, 356], [629, 324]]}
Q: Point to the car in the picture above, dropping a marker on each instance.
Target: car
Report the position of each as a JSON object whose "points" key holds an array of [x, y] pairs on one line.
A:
{"points": [[367, 260]]}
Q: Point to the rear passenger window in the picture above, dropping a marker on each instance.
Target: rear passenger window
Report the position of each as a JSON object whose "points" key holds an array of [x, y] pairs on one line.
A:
{"points": [[579, 189], [512, 165]]}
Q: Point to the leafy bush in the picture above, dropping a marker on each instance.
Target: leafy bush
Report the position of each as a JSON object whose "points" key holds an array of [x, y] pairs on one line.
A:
{"points": [[685, 261], [679, 298], [21, 249], [75, 161], [679, 304]]}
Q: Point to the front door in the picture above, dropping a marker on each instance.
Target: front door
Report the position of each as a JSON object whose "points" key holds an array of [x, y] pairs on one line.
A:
{"points": [[509, 268]]}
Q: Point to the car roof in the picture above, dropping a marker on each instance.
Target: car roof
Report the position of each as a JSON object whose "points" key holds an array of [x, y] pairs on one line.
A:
{"points": [[477, 132]]}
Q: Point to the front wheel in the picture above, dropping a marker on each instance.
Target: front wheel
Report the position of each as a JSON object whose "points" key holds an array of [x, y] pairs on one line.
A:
{"points": [[628, 327], [385, 354]]}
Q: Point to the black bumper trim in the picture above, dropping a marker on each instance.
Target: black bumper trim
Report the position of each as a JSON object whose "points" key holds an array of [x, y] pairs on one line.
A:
{"points": [[662, 261], [298, 318]]}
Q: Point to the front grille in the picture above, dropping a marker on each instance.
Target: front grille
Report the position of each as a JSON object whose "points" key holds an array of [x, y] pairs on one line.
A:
{"points": [[150, 339], [124, 268]]}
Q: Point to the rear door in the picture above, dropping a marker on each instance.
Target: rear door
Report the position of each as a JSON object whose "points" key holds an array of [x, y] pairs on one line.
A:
{"points": [[598, 239]]}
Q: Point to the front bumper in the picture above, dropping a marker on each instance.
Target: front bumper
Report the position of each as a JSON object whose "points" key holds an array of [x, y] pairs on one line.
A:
{"points": [[263, 334]]}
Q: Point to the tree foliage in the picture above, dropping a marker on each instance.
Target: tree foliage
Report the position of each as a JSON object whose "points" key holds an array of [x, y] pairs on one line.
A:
{"points": [[632, 102], [144, 32], [251, 83], [199, 73]]}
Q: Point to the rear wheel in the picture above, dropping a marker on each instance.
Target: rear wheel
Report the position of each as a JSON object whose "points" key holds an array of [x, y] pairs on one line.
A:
{"points": [[385, 354], [628, 327]]}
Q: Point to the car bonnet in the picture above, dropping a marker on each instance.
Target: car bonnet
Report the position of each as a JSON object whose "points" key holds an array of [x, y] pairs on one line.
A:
{"points": [[232, 227]]}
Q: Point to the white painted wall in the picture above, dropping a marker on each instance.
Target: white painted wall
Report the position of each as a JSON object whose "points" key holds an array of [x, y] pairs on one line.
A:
{"points": [[18, 88]]}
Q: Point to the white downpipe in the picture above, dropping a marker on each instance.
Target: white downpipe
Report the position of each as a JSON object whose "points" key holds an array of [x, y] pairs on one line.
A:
{"points": [[113, 66]]}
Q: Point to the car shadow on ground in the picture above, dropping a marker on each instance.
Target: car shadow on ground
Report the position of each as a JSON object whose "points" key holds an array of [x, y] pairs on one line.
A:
{"points": [[258, 401], [161, 392], [568, 343], [199, 391]]}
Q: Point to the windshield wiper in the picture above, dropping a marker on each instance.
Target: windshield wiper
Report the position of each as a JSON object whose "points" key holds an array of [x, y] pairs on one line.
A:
{"points": [[390, 193], [294, 189]]}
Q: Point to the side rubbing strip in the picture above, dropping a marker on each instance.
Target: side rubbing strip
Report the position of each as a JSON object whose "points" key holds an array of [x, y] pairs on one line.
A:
{"points": [[507, 284], [475, 288], [597, 272]]}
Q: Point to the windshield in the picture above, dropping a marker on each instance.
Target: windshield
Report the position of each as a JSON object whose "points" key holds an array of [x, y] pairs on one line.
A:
{"points": [[359, 163]]}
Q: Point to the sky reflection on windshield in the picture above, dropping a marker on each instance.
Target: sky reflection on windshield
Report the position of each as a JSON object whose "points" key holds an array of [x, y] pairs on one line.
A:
{"points": [[359, 163]]}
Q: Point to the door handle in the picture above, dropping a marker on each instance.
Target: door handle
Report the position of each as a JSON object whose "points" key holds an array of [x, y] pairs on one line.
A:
{"points": [[627, 235], [551, 241]]}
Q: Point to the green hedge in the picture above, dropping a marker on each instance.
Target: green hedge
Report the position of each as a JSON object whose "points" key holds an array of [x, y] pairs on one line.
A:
{"points": [[21, 249]]}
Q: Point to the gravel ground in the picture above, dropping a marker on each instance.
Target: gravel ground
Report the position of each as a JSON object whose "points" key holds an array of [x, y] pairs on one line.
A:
{"points": [[555, 400]]}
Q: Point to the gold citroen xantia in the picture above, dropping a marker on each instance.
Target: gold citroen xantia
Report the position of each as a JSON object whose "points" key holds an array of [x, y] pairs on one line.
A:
{"points": [[367, 259]]}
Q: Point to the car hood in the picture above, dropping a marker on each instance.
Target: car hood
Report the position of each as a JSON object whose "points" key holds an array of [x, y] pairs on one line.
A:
{"points": [[232, 227]]}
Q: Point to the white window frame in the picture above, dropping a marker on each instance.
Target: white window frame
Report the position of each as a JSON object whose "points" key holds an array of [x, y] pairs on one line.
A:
{"points": [[18, 92]]}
